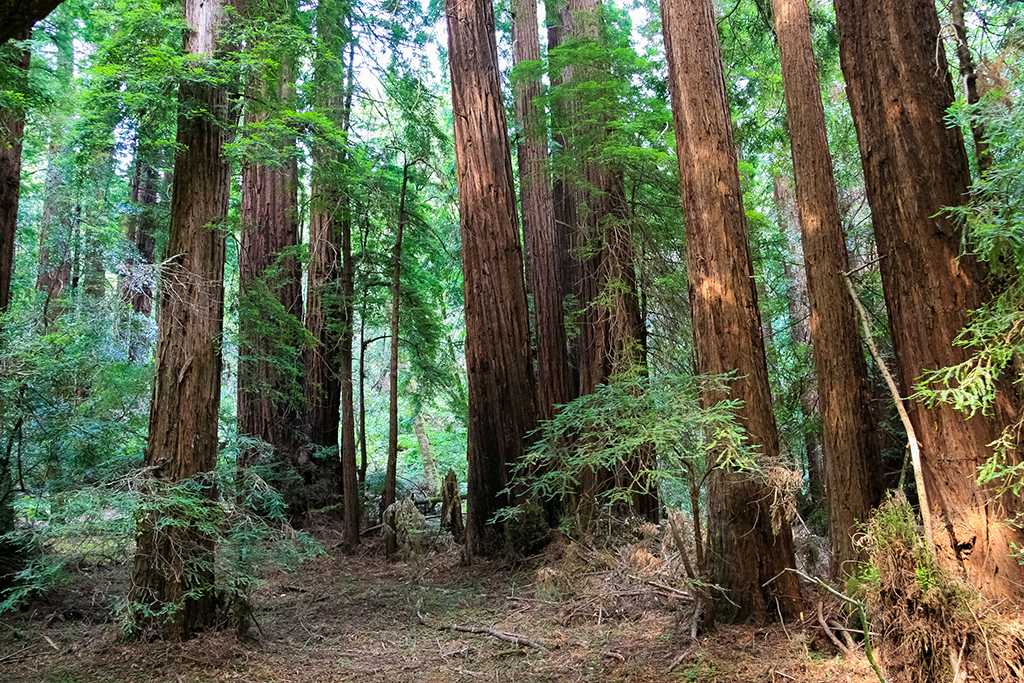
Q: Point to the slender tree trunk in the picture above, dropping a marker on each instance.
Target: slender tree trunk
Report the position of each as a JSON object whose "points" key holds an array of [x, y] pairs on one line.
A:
{"points": [[362, 399], [540, 237], [270, 284], [746, 556], [899, 89], [56, 233], [970, 78], [173, 563], [853, 461], [430, 474], [135, 281], [349, 471], [391, 472], [502, 403]]}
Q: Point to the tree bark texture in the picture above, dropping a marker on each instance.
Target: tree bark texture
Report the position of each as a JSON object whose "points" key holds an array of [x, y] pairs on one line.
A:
{"points": [[270, 284], [853, 460], [746, 558], [913, 167], [173, 560], [431, 478], [499, 367], [537, 204], [12, 128]]}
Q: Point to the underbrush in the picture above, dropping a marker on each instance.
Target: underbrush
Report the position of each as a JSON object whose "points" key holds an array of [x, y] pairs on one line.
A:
{"points": [[934, 627]]}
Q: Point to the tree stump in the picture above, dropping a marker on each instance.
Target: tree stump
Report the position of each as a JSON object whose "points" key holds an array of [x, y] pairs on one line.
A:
{"points": [[451, 507]]}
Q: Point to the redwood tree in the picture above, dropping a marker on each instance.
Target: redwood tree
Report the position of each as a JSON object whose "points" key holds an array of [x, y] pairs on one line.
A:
{"points": [[329, 314], [172, 580], [540, 236], [853, 460], [12, 128], [502, 407], [269, 274], [914, 165], [746, 556]]}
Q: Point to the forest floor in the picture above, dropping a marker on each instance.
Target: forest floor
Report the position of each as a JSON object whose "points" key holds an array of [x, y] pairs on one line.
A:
{"points": [[593, 615]]}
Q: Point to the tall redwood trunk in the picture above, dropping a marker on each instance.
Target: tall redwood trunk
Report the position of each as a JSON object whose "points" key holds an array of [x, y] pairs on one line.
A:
{"points": [[268, 276], [853, 460], [746, 556], [540, 236], [173, 563], [134, 281], [56, 233], [599, 226], [502, 403], [330, 314], [12, 128], [914, 165]]}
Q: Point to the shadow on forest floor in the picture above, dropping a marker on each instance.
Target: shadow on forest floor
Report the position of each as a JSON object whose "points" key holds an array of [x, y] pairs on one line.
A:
{"points": [[363, 618]]}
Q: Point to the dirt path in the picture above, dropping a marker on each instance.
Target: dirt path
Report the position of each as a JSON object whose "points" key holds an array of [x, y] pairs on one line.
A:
{"points": [[364, 618]]}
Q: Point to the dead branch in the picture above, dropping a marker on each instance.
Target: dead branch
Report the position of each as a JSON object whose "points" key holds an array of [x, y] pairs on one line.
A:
{"points": [[501, 635], [831, 636]]}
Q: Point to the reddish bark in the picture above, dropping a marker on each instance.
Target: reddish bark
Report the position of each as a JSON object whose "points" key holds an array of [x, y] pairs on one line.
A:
{"points": [[173, 564], [853, 461], [499, 367], [746, 557], [914, 165]]}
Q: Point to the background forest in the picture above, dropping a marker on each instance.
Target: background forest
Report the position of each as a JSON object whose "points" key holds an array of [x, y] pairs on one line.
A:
{"points": [[278, 266]]}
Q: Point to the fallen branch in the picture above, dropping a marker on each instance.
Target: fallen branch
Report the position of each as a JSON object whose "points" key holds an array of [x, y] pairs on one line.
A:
{"points": [[831, 636], [501, 635]]}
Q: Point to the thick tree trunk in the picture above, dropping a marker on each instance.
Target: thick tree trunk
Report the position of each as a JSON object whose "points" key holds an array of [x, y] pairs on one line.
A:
{"points": [[269, 278], [391, 471], [746, 556], [853, 461], [173, 564], [599, 225], [542, 245], [913, 167], [18, 16], [502, 403], [330, 313], [12, 128]]}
